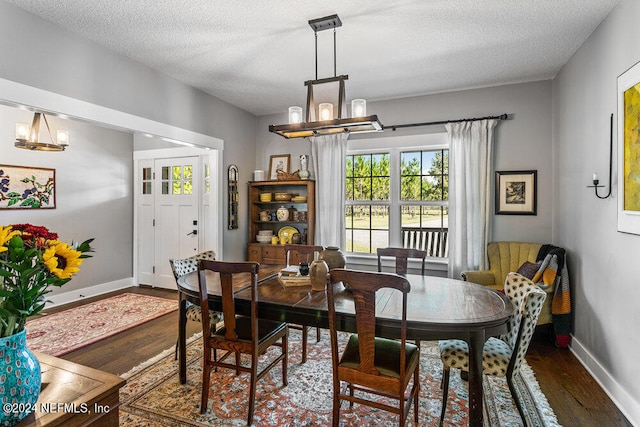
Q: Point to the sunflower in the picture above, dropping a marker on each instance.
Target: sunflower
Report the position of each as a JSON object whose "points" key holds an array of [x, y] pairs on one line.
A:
{"points": [[5, 235], [62, 260]]}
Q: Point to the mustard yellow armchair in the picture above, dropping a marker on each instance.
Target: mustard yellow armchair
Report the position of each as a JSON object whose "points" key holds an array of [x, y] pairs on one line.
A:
{"points": [[505, 257]]}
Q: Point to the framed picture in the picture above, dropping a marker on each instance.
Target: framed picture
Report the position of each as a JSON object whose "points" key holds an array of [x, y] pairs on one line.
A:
{"points": [[629, 151], [279, 163], [25, 187], [516, 192]]}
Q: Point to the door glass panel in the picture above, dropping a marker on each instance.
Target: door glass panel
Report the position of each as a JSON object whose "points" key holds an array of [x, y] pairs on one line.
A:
{"points": [[188, 187], [146, 188], [177, 172], [146, 173], [165, 172], [188, 172], [165, 187], [177, 187]]}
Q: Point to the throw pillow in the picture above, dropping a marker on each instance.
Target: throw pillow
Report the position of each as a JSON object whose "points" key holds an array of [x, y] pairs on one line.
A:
{"points": [[528, 269]]}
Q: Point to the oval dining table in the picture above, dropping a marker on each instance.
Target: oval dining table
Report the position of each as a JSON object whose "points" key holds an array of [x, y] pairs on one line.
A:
{"points": [[438, 308]]}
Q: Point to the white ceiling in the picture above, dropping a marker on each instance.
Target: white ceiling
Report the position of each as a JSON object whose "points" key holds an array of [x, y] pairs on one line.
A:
{"points": [[257, 54]]}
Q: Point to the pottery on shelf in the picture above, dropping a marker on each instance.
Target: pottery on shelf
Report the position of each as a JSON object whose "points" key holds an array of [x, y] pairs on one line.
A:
{"points": [[282, 213], [304, 171], [334, 257]]}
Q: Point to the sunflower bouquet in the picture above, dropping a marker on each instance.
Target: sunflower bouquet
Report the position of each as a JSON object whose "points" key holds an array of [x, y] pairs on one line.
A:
{"points": [[31, 260]]}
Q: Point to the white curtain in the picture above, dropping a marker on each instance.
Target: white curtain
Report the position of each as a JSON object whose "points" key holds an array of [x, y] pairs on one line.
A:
{"points": [[328, 154], [470, 181]]}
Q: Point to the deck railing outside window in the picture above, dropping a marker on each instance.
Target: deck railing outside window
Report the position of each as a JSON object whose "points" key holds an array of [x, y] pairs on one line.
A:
{"points": [[433, 240]]}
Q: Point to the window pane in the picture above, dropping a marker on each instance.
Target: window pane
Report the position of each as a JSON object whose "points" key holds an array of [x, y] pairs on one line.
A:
{"points": [[177, 173], [177, 187], [425, 228], [380, 189], [362, 165], [379, 239], [207, 171], [146, 173], [362, 188], [188, 172], [348, 217], [380, 165], [188, 187], [165, 187], [349, 166], [349, 190], [380, 217], [165, 172], [410, 188], [146, 188], [207, 187]]}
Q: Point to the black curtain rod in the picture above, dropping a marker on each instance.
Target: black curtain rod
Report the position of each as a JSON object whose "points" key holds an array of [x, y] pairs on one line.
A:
{"points": [[444, 122]]}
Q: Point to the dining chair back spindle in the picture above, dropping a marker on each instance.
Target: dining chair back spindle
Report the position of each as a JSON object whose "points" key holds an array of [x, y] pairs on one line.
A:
{"points": [[238, 334], [401, 256], [370, 364], [296, 254]]}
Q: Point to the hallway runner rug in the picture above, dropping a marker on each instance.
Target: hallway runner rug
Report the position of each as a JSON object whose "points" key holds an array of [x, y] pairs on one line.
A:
{"points": [[153, 395], [65, 331]]}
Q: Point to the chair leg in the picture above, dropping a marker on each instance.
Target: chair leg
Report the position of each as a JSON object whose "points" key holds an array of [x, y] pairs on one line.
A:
{"points": [[252, 387], [206, 378], [285, 352], [237, 363], [305, 337], [336, 405], [317, 334], [512, 389], [416, 380], [445, 390], [175, 356]]}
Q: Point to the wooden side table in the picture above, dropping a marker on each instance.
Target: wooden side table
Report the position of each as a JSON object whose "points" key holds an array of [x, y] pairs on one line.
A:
{"points": [[74, 395]]}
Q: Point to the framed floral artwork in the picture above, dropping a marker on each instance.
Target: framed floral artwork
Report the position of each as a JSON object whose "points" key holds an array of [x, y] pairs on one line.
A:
{"points": [[516, 192], [629, 151], [26, 187]]}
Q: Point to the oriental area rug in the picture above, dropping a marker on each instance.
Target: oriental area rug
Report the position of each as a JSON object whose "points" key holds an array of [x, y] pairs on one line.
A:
{"points": [[65, 331], [153, 395]]}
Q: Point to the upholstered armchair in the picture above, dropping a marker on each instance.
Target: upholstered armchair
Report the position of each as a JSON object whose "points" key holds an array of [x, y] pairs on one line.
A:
{"points": [[505, 257]]}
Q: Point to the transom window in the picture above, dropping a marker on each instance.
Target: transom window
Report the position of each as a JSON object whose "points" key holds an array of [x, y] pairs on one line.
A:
{"points": [[397, 198]]}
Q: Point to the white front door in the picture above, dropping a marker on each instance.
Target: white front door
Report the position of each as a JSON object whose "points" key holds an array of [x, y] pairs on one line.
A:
{"points": [[168, 218]]}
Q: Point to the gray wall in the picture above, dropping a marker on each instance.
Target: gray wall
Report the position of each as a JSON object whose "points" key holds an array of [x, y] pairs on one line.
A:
{"points": [[603, 262], [522, 143], [93, 193], [40, 54]]}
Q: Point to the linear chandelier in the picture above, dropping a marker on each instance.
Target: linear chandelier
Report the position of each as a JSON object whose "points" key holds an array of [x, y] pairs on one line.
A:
{"points": [[28, 138], [326, 122]]}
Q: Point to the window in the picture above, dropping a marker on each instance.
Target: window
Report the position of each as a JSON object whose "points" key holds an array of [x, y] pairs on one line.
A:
{"points": [[398, 198]]}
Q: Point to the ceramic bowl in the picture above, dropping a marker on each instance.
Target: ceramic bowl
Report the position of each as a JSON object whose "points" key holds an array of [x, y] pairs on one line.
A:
{"points": [[265, 233], [281, 197], [263, 239], [265, 197]]}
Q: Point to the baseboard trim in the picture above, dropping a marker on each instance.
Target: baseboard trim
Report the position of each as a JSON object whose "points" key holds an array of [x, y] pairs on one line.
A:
{"points": [[91, 291], [627, 404]]}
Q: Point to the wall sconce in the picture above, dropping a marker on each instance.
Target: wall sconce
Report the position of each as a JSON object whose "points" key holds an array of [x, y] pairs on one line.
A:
{"points": [[28, 137], [596, 181]]}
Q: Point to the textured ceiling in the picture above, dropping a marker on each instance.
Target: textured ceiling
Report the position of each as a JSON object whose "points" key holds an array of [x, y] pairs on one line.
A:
{"points": [[257, 54]]}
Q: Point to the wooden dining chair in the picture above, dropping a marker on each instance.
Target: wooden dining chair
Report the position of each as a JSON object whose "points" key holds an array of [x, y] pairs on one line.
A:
{"points": [[238, 334], [370, 364], [501, 356], [182, 267], [295, 254], [401, 255]]}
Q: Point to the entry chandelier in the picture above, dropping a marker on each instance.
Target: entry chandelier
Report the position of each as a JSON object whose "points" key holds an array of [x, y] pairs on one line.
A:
{"points": [[326, 123], [28, 137]]}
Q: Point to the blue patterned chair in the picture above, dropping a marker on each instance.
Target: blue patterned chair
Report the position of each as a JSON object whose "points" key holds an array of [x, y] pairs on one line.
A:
{"points": [[502, 356]]}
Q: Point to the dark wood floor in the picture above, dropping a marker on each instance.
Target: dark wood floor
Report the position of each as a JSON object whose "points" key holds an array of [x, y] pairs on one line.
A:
{"points": [[573, 394]]}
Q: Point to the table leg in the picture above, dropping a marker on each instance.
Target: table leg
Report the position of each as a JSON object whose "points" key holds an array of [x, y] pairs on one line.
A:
{"points": [[476, 345], [182, 339]]}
